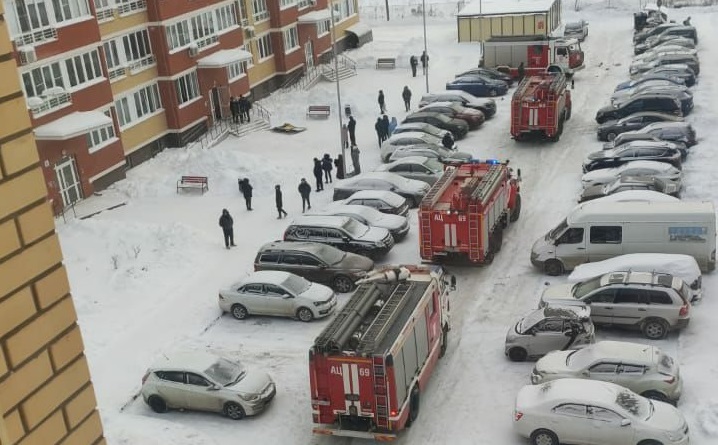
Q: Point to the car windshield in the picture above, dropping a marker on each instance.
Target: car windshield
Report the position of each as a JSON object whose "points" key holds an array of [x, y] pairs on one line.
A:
{"points": [[330, 254], [580, 358], [225, 373], [635, 404], [355, 228], [553, 234], [296, 284], [582, 289], [529, 321], [434, 165]]}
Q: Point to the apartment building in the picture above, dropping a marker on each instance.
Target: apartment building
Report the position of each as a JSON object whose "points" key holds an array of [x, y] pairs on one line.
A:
{"points": [[109, 83], [46, 396]]}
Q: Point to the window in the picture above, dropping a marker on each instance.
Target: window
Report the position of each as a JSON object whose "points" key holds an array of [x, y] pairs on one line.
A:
{"points": [[274, 291], [83, 68], [171, 376], [659, 297], [571, 409], [202, 26], [303, 3], [254, 288], [178, 34], [631, 369], [113, 59], [69, 9], [264, 44], [628, 296], [187, 87], [551, 326], [243, 13], [604, 296], [127, 6], [137, 46], [291, 39], [40, 79], [604, 415], [32, 15], [122, 106], [269, 258], [194, 379], [287, 3], [291, 259], [259, 8], [236, 70], [606, 234], [99, 137], [137, 105], [603, 368], [323, 27], [573, 235], [226, 17]]}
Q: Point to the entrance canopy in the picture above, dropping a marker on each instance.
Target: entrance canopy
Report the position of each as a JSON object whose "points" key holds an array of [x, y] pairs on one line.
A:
{"points": [[224, 57], [314, 16], [72, 125]]}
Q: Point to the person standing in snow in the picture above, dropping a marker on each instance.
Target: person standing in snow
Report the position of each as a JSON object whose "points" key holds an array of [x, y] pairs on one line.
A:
{"points": [[406, 95], [355, 159], [521, 71], [304, 190], [382, 104], [339, 164], [234, 109], [447, 141], [244, 107], [379, 127], [227, 224], [424, 61], [385, 127], [351, 126], [246, 189], [327, 167], [345, 136], [413, 62], [318, 173], [278, 201]]}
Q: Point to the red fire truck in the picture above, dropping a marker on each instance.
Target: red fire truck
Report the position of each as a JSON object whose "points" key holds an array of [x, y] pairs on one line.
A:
{"points": [[465, 211], [507, 53], [369, 366], [540, 106]]}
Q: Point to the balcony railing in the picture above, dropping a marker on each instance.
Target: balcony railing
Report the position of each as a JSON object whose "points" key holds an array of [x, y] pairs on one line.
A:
{"points": [[117, 72], [137, 65], [54, 101], [131, 6], [207, 41], [38, 36], [105, 15]]}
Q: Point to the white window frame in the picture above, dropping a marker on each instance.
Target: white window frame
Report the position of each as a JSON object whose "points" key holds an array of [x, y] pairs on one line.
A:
{"points": [[105, 10], [237, 70], [323, 27], [69, 10], [226, 17], [260, 12], [187, 88], [83, 69], [40, 19], [290, 37], [137, 106], [301, 4], [202, 29], [101, 137], [178, 35], [285, 4], [114, 59], [137, 49], [264, 46], [128, 7]]}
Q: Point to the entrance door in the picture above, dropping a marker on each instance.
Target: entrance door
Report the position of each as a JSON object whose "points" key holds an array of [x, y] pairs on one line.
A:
{"points": [[68, 181], [216, 104], [309, 54]]}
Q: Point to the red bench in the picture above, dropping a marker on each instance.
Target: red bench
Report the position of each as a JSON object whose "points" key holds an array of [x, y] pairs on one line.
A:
{"points": [[319, 111], [200, 182]]}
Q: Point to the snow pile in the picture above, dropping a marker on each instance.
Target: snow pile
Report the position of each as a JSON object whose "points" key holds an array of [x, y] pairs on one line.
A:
{"points": [[682, 266]]}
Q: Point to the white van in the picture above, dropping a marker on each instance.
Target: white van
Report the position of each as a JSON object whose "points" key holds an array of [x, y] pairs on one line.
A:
{"points": [[596, 231]]}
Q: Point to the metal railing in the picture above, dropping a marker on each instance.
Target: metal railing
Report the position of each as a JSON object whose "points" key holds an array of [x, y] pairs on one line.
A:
{"points": [[125, 7], [261, 112], [38, 36], [52, 102], [141, 63]]}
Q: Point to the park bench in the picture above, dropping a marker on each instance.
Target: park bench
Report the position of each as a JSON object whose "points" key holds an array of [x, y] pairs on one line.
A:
{"points": [[319, 111], [200, 182], [386, 62]]}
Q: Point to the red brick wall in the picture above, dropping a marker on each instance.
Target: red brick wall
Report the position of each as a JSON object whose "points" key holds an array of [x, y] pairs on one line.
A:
{"points": [[86, 99], [158, 10], [70, 37]]}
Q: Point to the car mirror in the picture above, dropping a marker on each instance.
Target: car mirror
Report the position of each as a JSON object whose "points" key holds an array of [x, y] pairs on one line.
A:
{"points": [[345, 239], [287, 296], [625, 422]]}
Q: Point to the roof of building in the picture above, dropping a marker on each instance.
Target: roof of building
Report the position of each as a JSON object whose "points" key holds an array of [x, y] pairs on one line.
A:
{"points": [[315, 16], [72, 125], [224, 57], [359, 29], [498, 7]]}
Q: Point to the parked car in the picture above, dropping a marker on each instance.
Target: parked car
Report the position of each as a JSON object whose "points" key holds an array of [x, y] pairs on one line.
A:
{"points": [[651, 302], [652, 169], [451, 109], [486, 106], [578, 30], [478, 86], [637, 196], [677, 70], [625, 183], [655, 86], [632, 151], [591, 412], [638, 103], [632, 136], [644, 369], [385, 202], [491, 73], [341, 232], [684, 267], [408, 138], [656, 30], [664, 48], [420, 168], [648, 78], [548, 329], [688, 32], [421, 128], [200, 381], [673, 131], [277, 293], [316, 262], [637, 69], [669, 39], [441, 154], [609, 129], [397, 225], [410, 189], [458, 128]]}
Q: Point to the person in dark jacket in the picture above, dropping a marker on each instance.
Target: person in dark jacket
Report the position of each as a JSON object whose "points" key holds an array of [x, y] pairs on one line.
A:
{"points": [[227, 224], [351, 126], [382, 104], [244, 107], [447, 141], [413, 62], [424, 61], [318, 173], [304, 190], [385, 127], [339, 164], [234, 109], [406, 95], [521, 71], [379, 127], [278, 201], [327, 167], [246, 188]]}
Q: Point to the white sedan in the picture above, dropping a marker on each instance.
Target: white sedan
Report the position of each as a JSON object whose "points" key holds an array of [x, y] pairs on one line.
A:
{"points": [[408, 138], [657, 169], [410, 189], [589, 412], [277, 293]]}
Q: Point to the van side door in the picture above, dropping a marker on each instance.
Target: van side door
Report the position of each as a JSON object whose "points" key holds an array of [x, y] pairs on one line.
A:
{"points": [[571, 247], [604, 242]]}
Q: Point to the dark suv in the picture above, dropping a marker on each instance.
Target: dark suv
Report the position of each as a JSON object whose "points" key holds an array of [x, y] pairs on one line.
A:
{"points": [[315, 262], [457, 127], [641, 102]]}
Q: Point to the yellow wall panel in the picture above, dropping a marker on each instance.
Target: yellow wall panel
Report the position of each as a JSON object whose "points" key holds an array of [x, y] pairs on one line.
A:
{"points": [[50, 432], [20, 153], [10, 80], [79, 407], [36, 223], [121, 23], [67, 348], [13, 423], [25, 380], [32, 262], [15, 117], [9, 241], [15, 310], [88, 432], [5, 43], [52, 287], [129, 82], [140, 133]]}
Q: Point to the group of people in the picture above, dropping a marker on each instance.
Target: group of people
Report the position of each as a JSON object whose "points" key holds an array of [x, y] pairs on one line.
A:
{"points": [[414, 63], [239, 107], [384, 127]]}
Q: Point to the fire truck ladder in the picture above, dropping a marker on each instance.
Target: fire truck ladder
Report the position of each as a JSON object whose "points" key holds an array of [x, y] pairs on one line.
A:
{"points": [[381, 399], [478, 198], [427, 250], [438, 189], [385, 318]]}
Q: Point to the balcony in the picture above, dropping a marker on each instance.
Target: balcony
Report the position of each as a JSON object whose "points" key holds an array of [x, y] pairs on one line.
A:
{"points": [[128, 7], [207, 41], [36, 37], [138, 65], [42, 105]]}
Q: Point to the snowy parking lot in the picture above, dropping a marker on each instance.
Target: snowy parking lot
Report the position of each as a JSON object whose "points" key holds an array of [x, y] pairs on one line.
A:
{"points": [[145, 275]]}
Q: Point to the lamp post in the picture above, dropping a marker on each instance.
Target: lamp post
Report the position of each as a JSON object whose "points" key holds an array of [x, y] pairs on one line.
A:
{"points": [[426, 52], [339, 93]]}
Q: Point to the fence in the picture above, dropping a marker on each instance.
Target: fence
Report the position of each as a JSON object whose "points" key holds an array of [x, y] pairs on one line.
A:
{"points": [[411, 9]]}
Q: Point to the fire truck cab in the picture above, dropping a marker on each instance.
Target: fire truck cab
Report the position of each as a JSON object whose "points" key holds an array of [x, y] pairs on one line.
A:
{"points": [[370, 365], [508, 53], [540, 106]]}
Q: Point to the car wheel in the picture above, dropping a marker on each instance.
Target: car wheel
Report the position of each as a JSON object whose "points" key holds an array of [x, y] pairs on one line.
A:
{"points": [[516, 211], [343, 284], [414, 405], [649, 442], [568, 113], [492, 92], [655, 395], [239, 312], [553, 268], [305, 314], [611, 136], [234, 411], [544, 437], [655, 329], [517, 354], [157, 404]]}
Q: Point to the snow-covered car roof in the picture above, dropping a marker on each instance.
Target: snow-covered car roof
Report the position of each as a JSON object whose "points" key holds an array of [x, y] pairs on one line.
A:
{"points": [[320, 220], [572, 312], [185, 360], [615, 351], [681, 266], [390, 198], [426, 137], [406, 183], [635, 196], [579, 390]]}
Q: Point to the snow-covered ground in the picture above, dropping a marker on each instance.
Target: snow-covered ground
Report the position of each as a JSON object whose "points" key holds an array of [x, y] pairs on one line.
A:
{"points": [[145, 275]]}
